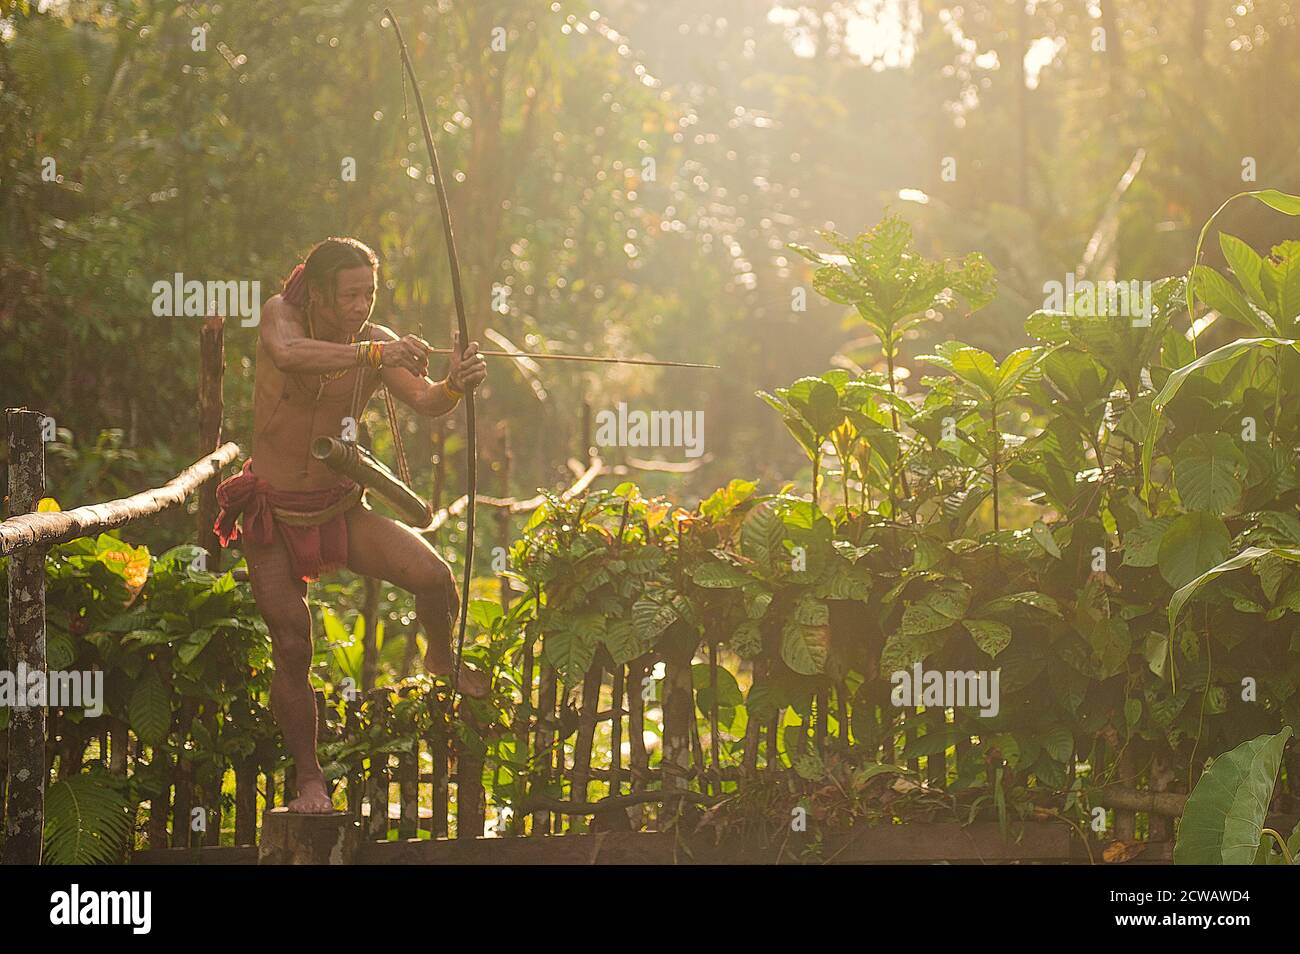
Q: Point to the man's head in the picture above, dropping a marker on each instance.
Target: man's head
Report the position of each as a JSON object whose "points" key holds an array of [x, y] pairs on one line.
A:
{"points": [[341, 281]]}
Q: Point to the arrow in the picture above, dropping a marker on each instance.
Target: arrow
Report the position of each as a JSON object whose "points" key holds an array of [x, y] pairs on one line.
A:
{"points": [[599, 359]]}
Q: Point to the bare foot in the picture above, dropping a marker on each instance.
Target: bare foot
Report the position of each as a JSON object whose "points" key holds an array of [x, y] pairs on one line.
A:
{"points": [[472, 682], [312, 799]]}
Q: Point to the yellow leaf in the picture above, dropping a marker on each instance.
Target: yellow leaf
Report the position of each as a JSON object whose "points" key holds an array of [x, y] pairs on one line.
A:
{"points": [[1118, 852], [48, 505]]}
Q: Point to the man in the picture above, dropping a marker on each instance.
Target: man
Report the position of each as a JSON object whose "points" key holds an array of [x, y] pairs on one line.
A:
{"points": [[319, 359]]}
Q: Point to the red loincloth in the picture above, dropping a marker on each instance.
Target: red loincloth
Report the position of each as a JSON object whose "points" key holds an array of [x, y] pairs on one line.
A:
{"points": [[313, 523]]}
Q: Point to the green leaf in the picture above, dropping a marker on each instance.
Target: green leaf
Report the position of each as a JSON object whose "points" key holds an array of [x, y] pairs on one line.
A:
{"points": [[989, 635], [903, 649], [149, 710], [1246, 556], [1224, 818], [1228, 353], [1217, 292], [718, 575], [805, 648], [920, 618], [1281, 201], [625, 640], [1193, 544], [747, 641], [1142, 543], [1012, 601], [87, 820], [1205, 472], [1246, 265], [817, 403], [652, 618], [1042, 535], [762, 534]]}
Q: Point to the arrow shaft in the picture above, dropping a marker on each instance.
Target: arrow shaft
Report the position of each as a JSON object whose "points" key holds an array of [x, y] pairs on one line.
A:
{"points": [[599, 359]]}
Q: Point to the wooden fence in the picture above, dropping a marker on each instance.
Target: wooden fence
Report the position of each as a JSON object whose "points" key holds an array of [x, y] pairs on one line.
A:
{"points": [[25, 539], [433, 787]]}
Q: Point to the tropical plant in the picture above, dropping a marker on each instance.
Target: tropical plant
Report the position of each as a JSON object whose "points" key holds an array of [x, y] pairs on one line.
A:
{"points": [[1224, 822]]}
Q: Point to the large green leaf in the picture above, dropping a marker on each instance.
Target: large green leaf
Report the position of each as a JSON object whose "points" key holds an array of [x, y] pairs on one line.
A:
{"points": [[805, 648], [149, 710], [1205, 472], [1217, 292], [1246, 266], [1224, 818], [817, 403], [762, 535], [989, 635], [1245, 557], [1194, 543], [86, 820]]}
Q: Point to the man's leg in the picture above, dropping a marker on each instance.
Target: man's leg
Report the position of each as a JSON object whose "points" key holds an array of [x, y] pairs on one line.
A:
{"points": [[282, 600], [392, 551]]}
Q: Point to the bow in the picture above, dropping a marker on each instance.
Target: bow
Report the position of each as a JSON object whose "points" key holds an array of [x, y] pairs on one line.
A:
{"points": [[471, 444]]}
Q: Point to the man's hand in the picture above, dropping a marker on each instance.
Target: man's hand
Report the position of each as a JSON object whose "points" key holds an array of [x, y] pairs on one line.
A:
{"points": [[410, 353], [468, 369]]}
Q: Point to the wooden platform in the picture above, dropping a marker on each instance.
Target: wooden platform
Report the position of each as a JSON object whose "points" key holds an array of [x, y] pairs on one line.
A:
{"points": [[936, 843]]}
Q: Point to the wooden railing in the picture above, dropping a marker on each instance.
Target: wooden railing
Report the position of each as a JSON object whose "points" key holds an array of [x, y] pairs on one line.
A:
{"points": [[26, 538]]}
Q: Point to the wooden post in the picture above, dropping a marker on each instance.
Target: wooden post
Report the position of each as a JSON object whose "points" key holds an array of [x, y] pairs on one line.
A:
{"points": [[523, 720], [616, 735], [749, 767], [503, 515], [408, 781], [679, 717], [291, 838], [370, 634], [583, 743], [377, 827], [542, 747], [638, 758], [470, 807], [212, 369], [715, 735], [246, 801], [26, 773]]}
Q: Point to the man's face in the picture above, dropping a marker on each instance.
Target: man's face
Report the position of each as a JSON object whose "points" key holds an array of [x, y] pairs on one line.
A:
{"points": [[354, 299]]}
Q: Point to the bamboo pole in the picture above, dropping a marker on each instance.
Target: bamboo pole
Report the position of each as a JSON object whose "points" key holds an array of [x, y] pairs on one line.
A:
{"points": [[47, 529], [26, 773], [212, 368]]}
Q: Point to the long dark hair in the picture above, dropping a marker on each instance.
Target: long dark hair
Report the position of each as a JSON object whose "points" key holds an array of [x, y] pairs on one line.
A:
{"points": [[320, 270]]}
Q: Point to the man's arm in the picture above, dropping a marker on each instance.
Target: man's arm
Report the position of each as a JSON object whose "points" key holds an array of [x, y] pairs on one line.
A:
{"points": [[428, 397], [292, 350]]}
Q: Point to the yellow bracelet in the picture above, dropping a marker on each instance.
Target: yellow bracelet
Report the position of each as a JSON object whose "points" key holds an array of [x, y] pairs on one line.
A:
{"points": [[452, 391]]}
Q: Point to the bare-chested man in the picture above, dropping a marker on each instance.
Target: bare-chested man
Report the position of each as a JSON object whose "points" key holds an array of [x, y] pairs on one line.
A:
{"points": [[319, 359]]}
